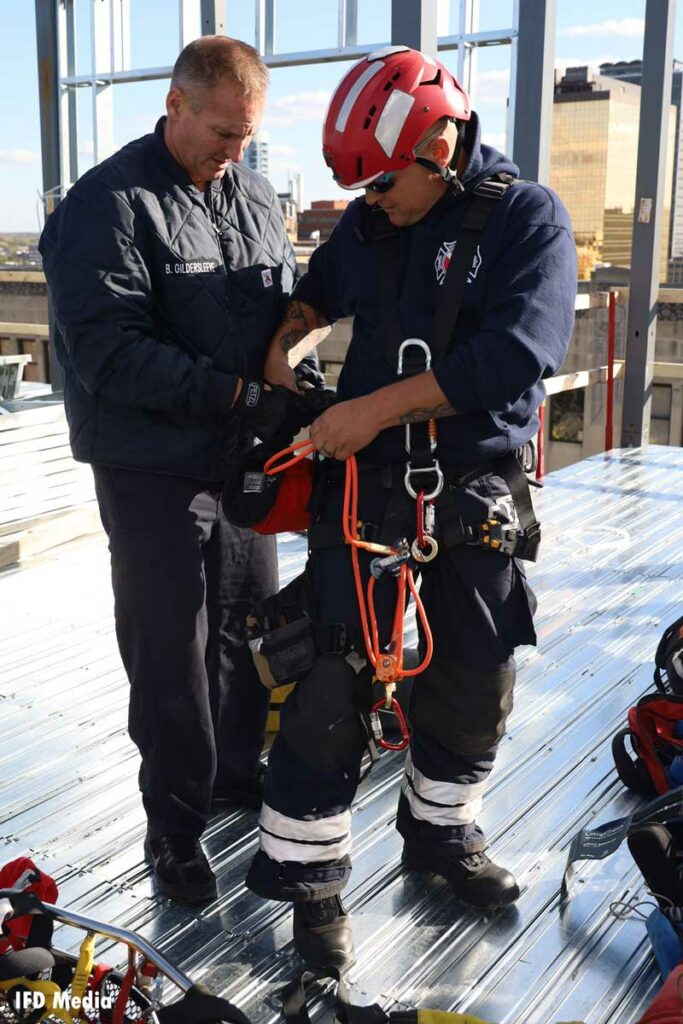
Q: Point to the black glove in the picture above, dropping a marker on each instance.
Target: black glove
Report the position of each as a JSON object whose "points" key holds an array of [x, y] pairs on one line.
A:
{"points": [[308, 376], [269, 412]]}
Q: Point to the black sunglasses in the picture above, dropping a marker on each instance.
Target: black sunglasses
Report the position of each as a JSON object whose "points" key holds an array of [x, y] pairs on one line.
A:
{"points": [[383, 183]]}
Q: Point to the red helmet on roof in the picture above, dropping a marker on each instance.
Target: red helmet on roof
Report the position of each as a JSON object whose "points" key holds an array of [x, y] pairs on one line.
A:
{"points": [[382, 108]]}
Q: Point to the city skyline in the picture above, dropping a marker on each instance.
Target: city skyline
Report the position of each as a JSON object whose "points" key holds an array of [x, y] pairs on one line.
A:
{"points": [[587, 33]]}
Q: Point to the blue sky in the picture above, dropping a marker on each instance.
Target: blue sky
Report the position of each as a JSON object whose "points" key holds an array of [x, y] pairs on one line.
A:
{"points": [[588, 31]]}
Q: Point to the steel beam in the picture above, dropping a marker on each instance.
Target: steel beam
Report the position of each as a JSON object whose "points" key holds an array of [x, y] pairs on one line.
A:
{"points": [[265, 27], [347, 32], [190, 20], [641, 325], [413, 23], [47, 41], [213, 18], [532, 86]]}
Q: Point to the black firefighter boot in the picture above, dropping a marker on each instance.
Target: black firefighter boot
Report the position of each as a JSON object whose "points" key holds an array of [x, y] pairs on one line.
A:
{"points": [[322, 934], [473, 877]]}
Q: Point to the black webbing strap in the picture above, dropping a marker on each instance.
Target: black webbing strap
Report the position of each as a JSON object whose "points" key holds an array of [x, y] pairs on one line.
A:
{"points": [[481, 201], [296, 995], [199, 1006]]}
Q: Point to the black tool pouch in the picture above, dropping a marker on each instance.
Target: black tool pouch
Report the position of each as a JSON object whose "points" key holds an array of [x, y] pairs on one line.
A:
{"points": [[281, 635]]}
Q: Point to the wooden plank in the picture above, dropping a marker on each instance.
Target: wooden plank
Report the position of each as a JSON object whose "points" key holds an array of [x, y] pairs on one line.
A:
{"points": [[17, 330], [49, 533], [38, 368]]}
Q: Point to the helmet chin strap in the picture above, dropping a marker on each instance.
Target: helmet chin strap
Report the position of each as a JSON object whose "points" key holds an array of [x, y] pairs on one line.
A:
{"points": [[448, 174]]}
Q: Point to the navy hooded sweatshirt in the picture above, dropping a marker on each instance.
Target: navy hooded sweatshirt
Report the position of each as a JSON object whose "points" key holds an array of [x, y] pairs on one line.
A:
{"points": [[515, 321]]}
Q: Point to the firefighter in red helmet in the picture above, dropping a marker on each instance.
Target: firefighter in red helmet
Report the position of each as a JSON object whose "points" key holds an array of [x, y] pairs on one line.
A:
{"points": [[461, 281]]}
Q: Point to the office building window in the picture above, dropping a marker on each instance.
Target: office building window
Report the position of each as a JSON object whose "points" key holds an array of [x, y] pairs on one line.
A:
{"points": [[566, 416], [660, 414]]}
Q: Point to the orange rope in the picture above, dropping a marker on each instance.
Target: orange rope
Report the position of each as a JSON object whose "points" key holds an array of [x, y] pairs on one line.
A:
{"points": [[388, 663]]}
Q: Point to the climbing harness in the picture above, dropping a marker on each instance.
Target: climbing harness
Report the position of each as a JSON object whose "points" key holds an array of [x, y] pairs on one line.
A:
{"points": [[396, 560]]}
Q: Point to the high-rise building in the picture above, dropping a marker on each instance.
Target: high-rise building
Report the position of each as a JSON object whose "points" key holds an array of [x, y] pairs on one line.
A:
{"points": [[632, 71], [256, 155], [593, 165]]}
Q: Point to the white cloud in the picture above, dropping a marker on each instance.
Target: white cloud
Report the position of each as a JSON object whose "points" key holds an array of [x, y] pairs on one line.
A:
{"points": [[491, 87], [628, 28], [495, 139], [19, 156], [282, 149], [282, 167], [297, 108]]}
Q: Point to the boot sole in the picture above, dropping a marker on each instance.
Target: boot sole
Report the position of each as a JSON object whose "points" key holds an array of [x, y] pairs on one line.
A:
{"points": [[182, 894], [413, 862]]}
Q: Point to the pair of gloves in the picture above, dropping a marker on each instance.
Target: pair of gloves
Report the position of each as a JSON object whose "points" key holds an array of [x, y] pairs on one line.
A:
{"points": [[276, 414]]}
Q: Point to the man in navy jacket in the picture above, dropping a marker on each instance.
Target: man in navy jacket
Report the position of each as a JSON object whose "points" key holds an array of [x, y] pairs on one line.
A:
{"points": [[169, 267], [400, 126]]}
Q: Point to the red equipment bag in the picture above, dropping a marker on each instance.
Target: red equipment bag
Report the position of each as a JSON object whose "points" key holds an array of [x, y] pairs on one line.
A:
{"points": [[290, 508], [667, 1007], [23, 874], [669, 659], [269, 503], [655, 728]]}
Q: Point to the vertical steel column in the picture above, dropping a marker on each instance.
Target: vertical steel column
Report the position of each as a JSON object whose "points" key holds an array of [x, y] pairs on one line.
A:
{"points": [[265, 26], [190, 20], [213, 18], [467, 54], [69, 109], [611, 348], [641, 326], [531, 99], [347, 31], [102, 66], [413, 23], [47, 40]]}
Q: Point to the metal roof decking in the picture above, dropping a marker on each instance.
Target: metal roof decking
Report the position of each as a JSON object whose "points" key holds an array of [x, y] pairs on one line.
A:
{"points": [[608, 583]]}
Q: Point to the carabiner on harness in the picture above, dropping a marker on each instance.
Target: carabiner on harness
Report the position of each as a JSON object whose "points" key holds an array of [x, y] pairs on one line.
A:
{"points": [[424, 548], [390, 704], [420, 471]]}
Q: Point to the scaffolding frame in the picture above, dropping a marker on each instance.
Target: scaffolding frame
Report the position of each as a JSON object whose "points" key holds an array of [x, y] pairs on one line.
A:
{"points": [[413, 23]]}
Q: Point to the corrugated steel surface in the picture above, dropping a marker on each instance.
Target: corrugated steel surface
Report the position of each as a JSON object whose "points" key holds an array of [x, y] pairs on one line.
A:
{"points": [[608, 583]]}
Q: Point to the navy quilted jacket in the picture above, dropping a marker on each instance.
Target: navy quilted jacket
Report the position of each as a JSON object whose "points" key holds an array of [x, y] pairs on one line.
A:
{"points": [[163, 297]]}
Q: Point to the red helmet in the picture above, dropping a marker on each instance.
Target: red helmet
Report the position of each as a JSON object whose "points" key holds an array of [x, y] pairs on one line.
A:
{"points": [[382, 108]]}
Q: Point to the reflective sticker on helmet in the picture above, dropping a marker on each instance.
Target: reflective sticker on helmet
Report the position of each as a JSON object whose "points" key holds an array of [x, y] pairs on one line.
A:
{"points": [[355, 90], [386, 52], [392, 119]]}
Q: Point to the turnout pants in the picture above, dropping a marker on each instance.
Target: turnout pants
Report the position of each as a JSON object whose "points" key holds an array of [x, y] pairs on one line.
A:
{"points": [[479, 608], [184, 579]]}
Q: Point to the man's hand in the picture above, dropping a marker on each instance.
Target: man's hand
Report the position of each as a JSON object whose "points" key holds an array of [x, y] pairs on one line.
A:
{"points": [[265, 409], [345, 428]]}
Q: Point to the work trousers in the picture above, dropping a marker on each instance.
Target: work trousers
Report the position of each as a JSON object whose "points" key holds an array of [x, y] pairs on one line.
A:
{"points": [[184, 579], [479, 608]]}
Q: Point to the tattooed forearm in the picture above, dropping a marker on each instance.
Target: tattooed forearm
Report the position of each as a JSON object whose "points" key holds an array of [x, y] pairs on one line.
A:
{"points": [[420, 415], [302, 321]]}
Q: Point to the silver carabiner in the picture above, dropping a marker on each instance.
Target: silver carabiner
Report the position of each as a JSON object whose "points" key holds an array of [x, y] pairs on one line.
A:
{"points": [[421, 555], [420, 344], [435, 470]]}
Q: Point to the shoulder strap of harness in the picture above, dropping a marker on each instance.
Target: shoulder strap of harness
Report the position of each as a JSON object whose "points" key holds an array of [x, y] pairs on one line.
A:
{"points": [[376, 227]]}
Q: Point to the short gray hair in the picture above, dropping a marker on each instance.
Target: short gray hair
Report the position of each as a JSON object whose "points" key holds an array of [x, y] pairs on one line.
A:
{"points": [[211, 59]]}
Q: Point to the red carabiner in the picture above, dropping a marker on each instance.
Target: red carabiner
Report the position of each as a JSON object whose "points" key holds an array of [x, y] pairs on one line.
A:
{"points": [[400, 718]]}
